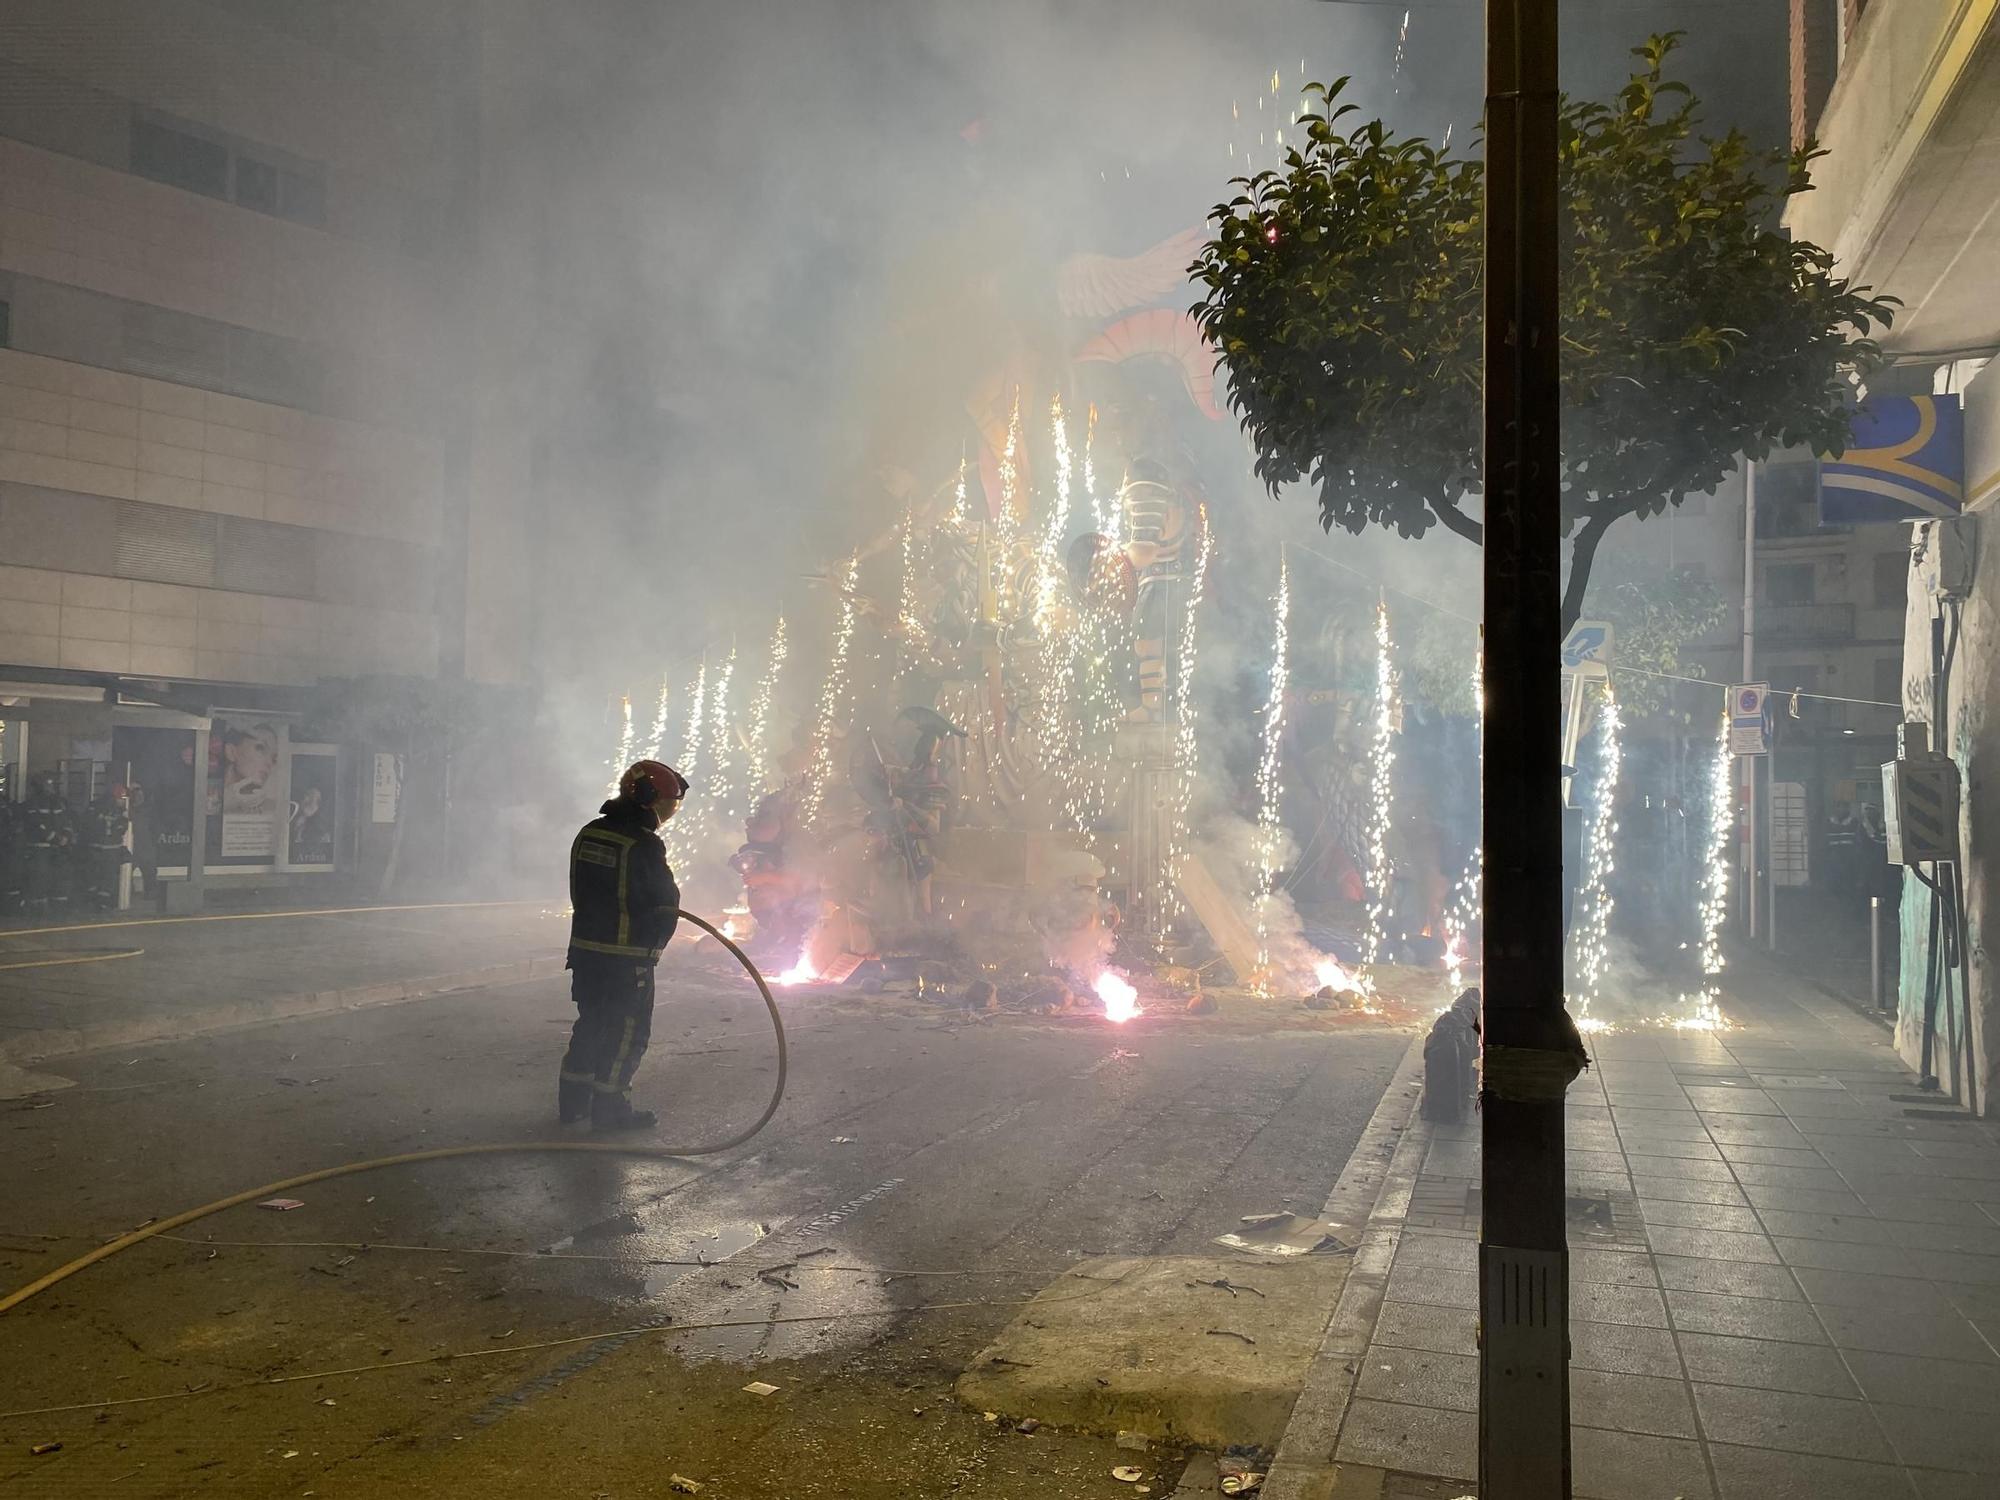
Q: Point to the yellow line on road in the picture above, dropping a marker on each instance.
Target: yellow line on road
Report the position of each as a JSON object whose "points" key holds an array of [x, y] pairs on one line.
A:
{"points": [[260, 916], [86, 958]]}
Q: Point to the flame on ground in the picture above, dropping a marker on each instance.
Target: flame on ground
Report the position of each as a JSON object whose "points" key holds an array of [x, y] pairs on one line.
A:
{"points": [[1332, 974], [1121, 1000], [801, 972]]}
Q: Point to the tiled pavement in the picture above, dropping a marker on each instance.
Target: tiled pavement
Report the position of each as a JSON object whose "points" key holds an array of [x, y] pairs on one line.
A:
{"points": [[1785, 1270]]}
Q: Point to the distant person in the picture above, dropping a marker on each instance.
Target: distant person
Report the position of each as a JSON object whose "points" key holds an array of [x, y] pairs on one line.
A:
{"points": [[10, 853], [624, 906], [46, 836], [103, 848]]}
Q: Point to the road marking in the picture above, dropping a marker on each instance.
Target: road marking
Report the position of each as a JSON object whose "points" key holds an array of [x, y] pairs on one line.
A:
{"points": [[833, 1217]]}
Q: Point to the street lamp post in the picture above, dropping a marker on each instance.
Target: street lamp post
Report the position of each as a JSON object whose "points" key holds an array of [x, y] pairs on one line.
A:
{"points": [[1528, 1043]]}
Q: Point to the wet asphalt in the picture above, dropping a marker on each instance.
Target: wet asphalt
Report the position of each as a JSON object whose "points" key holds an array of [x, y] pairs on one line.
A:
{"points": [[926, 1173]]}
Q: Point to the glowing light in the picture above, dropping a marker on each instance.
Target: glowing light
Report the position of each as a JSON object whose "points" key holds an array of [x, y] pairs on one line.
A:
{"points": [[1465, 895], [1591, 935], [1381, 782], [1059, 643], [1187, 750], [759, 771], [624, 751], [1121, 1000], [1008, 523], [1705, 1011], [657, 737], [722, 744], [909, 629], [832, 693], [1097, 501], [1270, 829], [960, 507], [1332, 974], [801, 972]]}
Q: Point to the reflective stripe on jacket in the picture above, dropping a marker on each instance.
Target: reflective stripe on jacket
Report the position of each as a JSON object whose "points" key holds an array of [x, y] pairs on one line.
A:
{"points": [[623, 899]]}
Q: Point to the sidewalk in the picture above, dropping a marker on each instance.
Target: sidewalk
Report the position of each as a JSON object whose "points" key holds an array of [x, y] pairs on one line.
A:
{"points": [[1785, 1281], [130, 978]]}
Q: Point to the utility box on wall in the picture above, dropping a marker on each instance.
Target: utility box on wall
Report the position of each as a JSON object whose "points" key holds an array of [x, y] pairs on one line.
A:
{"points": [[1920, 801]]}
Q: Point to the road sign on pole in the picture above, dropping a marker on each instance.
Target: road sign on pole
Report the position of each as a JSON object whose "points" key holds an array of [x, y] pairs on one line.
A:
{"points": [[1587, 648], [1750, 718]]}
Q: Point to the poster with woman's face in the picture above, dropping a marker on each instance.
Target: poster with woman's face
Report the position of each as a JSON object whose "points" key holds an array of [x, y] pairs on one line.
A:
{"points": [[311, 839], [246, 792]]}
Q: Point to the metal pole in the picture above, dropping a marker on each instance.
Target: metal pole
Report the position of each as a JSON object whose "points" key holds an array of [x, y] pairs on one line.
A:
{"points": [[1751, 912], [1523, 1254], [1875, 951]]}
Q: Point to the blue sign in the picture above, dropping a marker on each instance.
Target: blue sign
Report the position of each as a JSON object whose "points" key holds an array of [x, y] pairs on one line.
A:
{"points": [[1587, 648], [1905, 461]]}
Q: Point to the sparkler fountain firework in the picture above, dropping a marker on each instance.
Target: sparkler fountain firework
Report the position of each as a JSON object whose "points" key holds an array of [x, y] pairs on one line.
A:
{"points": [[832, 693], [1270, 827], [1058, 645], [1465, 895], [759, 753], [722, 746], [1381, 782], [1593, 929], [623, 754], [1705, 1009], [1187, 750], [656, 739]]}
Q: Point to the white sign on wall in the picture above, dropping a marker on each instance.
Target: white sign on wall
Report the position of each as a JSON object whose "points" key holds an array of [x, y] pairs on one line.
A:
{"points": [[388, 798]]}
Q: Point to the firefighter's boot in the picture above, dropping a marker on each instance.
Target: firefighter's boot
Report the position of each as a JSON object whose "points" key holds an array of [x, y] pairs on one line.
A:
{"points": [[573, 1100], [615, 1112]]}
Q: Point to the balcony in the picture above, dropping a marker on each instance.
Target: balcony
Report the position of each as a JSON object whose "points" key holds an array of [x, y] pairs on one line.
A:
{"points": [[1805, 623], [1904, 194]]}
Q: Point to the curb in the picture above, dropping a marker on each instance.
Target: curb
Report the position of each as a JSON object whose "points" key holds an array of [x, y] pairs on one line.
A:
{"points": [[37, 1046], [1373, 1191]]}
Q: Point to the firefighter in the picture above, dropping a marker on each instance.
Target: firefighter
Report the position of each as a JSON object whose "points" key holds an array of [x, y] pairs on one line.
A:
{"points": [[46, 835], [624, 905], [104, 854], [10, 853]]}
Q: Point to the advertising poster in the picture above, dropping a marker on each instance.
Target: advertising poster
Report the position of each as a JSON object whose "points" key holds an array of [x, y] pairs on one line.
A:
{"points": [[247, 808], [388, 787], [157, 768], [310, 840]]}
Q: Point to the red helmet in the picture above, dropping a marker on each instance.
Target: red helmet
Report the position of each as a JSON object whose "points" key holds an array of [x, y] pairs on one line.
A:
{"points": [[652, 781]]}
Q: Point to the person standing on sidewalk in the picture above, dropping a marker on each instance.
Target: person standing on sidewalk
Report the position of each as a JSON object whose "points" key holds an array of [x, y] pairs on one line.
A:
{"points": [[105, 825], [47, 832], [623, 909]]}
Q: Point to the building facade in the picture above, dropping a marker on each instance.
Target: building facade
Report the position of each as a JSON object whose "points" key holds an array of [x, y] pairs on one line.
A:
{"points": [[1904, 97], [242, 437]]}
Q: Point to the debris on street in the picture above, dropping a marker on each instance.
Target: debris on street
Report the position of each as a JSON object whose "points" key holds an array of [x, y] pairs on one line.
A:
{"points": [[761, 1388]]}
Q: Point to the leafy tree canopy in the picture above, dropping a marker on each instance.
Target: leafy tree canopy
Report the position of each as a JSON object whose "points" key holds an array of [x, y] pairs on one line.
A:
{"points": [[1344, 294]]}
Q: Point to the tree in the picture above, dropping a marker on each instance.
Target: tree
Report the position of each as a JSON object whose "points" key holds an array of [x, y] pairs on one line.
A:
{"points": [[1344, 296]]}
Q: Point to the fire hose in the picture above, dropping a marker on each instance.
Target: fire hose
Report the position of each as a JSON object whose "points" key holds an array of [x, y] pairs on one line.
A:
{"points": [[441, 1153]]}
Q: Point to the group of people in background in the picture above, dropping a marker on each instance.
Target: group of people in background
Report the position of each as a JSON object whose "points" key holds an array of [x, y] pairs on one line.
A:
{"points": [[55, 858]]}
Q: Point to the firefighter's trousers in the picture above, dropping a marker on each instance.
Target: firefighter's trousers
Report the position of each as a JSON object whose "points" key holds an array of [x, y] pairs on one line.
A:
{"points": [[614, 1022]]}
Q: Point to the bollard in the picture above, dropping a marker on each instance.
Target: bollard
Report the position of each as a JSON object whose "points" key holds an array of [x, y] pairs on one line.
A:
{"points": [[1875, 950]]}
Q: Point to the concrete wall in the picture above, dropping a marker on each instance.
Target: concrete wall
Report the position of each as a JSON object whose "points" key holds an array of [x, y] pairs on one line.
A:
{"points": [[1973, 739]]}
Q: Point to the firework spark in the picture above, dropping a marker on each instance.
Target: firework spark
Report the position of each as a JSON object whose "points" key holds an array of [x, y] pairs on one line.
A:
{"points": [[1381, 784], [1187, 750], [833, 692], [1705, 1011], [1121, 1000], [722, 744], [1465, 895], [759, 772], [623, 754], [1592, 933], [1270, 829]]}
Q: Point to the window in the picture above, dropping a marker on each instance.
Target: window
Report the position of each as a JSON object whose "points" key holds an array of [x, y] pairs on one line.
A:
{"points": [[1889, 679], [172, 156], [1788, 583], [256, 185], [257, 178], [1892, 579]]}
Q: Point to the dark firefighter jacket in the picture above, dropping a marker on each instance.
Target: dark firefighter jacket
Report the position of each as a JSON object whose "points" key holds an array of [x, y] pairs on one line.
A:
{"points": [[622, 895]]}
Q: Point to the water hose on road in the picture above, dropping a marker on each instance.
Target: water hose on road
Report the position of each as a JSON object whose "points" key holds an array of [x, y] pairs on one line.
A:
{"points": [[441, 1153]]}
